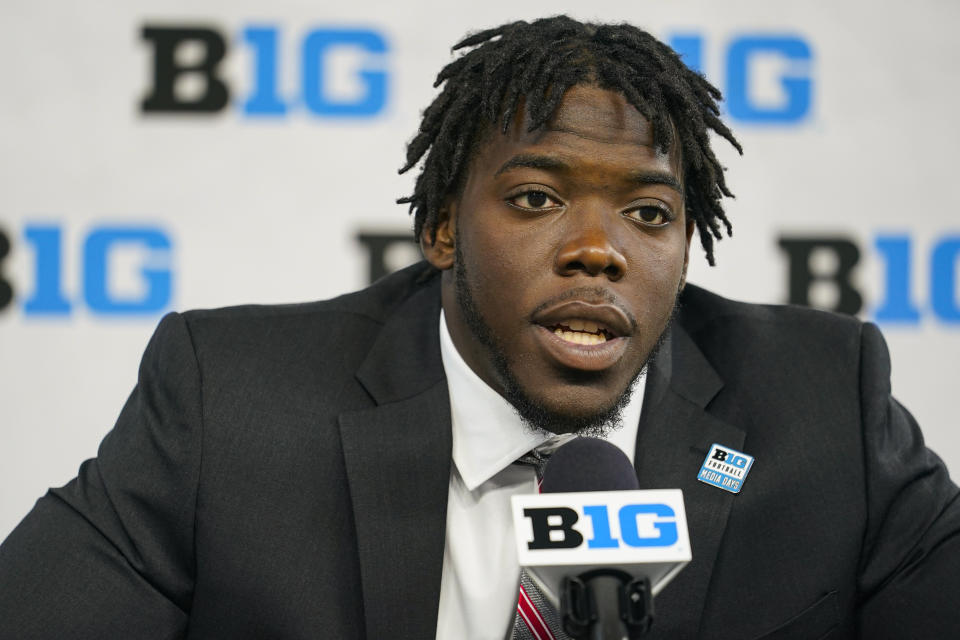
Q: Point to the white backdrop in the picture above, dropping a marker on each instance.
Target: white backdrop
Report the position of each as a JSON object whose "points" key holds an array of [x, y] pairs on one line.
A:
{"points": [[852, 135]]}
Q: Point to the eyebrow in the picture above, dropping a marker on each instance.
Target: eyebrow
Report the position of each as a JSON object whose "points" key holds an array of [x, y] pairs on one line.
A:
{"points": [[531, 161], [657, 177], [549, 163]]}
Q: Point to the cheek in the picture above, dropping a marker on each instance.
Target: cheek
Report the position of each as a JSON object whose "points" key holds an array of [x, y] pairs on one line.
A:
{"points": [[502, 259], [489, 275], [658, 275]]}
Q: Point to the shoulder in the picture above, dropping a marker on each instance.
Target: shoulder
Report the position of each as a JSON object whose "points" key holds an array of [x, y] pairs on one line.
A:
{"points": [[367, 307], [701, 310], [783, 364], [355, 313], [299, 345], [730, 330]]}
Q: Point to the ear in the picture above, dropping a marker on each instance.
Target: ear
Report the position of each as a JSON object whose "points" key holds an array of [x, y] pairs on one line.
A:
{"points": [[442, 250], [686, 254]]}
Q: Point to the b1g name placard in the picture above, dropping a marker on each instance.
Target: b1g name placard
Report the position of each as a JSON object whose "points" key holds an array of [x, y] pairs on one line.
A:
{"points": [[642, 532]]}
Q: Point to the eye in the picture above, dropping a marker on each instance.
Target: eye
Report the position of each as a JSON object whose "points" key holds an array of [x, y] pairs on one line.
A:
{"points": [[533, 200], [651, 215]]}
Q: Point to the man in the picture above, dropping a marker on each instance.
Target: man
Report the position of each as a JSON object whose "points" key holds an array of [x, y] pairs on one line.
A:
{"points": [[340, 469]]}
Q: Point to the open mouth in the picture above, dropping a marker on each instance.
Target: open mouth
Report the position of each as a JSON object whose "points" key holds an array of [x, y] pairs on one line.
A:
{"points": [[585, 332], [584, 335]]}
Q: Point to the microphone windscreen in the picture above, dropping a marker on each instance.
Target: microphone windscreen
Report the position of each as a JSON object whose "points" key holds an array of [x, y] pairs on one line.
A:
{"points": [[588, 464]]}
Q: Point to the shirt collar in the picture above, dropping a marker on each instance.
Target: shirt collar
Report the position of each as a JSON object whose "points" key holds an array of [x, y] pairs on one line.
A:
{"points": [[488, 435]]}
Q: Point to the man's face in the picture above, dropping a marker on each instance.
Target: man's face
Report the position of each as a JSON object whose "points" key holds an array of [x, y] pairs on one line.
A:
{"points": [[563, 256]]}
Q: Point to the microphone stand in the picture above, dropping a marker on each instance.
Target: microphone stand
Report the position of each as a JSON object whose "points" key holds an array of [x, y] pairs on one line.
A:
{"points": [[606, 604]]}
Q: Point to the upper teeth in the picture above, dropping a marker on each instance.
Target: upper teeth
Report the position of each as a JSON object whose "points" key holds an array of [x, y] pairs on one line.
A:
{"points": [[582, 325], [580, 337], [581, 332]]}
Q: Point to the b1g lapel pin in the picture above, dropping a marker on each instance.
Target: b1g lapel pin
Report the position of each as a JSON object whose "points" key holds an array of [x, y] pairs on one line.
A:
{"points": [[725, 468]]}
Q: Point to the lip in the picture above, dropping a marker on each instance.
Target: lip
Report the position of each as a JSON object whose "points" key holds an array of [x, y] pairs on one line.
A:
{"points": [[584, 357], [610, 316]]}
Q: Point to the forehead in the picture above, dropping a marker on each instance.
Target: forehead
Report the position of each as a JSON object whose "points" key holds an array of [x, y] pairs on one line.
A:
{"points": [[590, 127], [601, 115]]}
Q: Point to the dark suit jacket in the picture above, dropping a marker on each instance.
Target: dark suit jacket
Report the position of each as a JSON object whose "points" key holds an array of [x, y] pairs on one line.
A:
{"points": [[281, 472]]}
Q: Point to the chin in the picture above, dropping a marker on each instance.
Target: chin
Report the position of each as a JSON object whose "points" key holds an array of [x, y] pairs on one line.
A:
{"points": [[571, 408], [579, 406]]}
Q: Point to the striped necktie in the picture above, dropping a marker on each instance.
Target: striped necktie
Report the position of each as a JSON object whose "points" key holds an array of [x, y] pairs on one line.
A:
{"points": [[536, 618]]}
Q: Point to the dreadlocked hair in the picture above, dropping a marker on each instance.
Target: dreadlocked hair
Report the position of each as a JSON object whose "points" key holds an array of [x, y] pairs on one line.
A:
{"points": [[538, 62]]}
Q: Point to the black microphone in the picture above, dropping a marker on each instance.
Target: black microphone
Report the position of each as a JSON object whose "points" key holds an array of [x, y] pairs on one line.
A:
{"points": [[588, 464], [605, 603]]}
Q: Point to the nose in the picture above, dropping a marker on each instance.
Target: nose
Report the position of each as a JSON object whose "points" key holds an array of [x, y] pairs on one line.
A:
{"points": [[588, 249]]}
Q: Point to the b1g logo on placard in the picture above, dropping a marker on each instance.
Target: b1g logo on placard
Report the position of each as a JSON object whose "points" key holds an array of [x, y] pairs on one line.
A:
{"points": [[640, 525], [124, 269], [339, 73]]}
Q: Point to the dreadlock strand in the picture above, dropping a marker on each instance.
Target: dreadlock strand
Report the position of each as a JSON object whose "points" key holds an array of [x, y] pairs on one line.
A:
{"points": [[564, 78], [706, 241], [452, 70], [480, 37], [536, 81], [428, 129], [723, 131], [541, 85]]}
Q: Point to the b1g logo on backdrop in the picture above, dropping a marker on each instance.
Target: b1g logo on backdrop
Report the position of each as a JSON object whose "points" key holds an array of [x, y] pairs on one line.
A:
{"points": [[123, 270], [341, 72], [827, 263], [767, 77]]}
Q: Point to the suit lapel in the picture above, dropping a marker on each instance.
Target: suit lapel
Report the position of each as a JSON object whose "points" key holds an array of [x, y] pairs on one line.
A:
{"points": [[674, 437], [397, 457]]}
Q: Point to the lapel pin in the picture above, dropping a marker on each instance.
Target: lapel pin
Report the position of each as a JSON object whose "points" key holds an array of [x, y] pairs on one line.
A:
{"points": [[725, 468]]}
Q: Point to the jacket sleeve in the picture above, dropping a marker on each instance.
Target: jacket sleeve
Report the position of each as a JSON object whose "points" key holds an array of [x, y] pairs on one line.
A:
{"points": [[110, 555], [910, 567]]}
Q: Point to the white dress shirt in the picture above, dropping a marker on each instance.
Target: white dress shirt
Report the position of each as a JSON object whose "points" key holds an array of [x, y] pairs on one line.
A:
{"points": [[478, 590]]}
